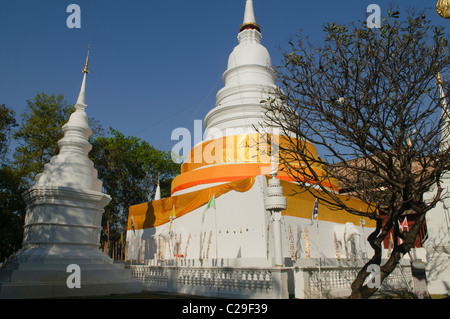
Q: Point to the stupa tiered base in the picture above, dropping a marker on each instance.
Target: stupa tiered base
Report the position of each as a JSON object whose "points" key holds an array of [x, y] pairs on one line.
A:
{"points": [[62, 229]]}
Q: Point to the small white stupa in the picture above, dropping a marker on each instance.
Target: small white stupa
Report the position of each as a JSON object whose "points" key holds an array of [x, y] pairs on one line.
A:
{"points": [[63, 225]]}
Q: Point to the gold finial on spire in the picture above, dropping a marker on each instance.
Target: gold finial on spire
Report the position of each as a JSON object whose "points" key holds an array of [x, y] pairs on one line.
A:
{"points": [[439, 79], [443, 8], [87, 60]]}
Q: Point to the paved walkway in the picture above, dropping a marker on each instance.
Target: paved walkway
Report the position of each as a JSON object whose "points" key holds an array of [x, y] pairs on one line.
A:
{"points": [[151, 295]]}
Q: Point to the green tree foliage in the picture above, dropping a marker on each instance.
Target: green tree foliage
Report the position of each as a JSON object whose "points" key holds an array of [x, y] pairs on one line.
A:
{"points": [[129, 168], [12, 208], [12, 212], [7, 122], [39, 132]]}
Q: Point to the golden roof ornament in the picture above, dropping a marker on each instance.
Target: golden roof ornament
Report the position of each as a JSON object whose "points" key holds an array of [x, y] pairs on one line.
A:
{"points": [[443, 8], [439, 79], [87, 60]]}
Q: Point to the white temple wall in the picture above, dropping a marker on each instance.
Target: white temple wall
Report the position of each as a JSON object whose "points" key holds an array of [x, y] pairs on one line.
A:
{"points": [[234, 229], [240, 228], [303, 238]]}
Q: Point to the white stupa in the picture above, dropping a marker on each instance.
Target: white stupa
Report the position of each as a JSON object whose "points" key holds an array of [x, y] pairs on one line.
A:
{"points": [[232, 148], [63, 225]]}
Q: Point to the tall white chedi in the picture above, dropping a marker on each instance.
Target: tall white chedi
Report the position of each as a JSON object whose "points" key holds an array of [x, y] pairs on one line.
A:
{"points": [[238, 115], [63, 225]]}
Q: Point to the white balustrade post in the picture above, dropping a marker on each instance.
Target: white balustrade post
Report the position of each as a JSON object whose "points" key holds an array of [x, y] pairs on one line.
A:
{"points": [[276, 220], [172, 284]]}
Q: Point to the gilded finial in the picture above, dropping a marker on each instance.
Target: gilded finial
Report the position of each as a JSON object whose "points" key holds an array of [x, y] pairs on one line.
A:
{"points": [[443, 8], [439, 79], [87, 60]]}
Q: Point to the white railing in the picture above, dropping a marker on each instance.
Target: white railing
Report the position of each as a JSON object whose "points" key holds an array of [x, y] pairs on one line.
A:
{"points": [[332, 282], [270, 282], [258, 281], [156, 276], [220, 282]]}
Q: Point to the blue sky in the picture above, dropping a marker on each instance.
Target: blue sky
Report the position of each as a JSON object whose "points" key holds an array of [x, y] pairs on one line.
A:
{"points": [[154, 65]]}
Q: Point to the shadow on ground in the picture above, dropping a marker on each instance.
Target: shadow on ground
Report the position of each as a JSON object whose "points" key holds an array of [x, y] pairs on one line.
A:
{"points": [[148, 295]]}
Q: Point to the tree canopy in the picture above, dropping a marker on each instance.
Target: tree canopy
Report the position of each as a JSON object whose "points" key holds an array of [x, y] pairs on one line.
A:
{"points": [[368, 100], [12, 212], [129, 169], [7, 123], [39, 132], [12, 208]]}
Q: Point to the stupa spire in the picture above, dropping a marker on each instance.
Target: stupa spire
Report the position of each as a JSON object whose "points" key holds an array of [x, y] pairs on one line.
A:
{"points": [[158, 191], [72, 166], [81, 102], [249, 18], [85, 70]]}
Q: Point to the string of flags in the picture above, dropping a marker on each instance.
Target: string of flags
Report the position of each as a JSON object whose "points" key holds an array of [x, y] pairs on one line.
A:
{"points": [[211, 204]]}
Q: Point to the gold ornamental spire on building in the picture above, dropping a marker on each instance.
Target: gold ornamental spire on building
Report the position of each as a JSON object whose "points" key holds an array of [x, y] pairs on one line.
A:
{"points": [[439, 78], [443, 8], [87, 60]]}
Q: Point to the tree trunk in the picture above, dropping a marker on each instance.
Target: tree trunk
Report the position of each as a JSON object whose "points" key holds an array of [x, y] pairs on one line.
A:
{"points": [[360, 291]]}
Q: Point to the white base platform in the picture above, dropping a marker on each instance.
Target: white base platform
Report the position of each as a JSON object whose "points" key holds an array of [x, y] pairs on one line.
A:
{"points": [[46, 277]]}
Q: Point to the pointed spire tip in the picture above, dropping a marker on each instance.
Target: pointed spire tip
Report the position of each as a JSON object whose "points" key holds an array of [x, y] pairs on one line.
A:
{"points": [[81, 101], [85, 70], [439, 78], [249, 18]]}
